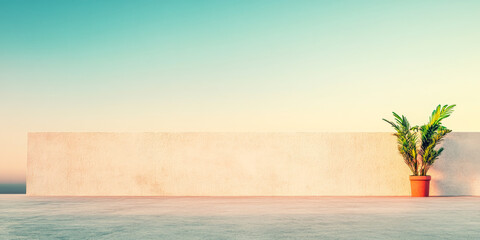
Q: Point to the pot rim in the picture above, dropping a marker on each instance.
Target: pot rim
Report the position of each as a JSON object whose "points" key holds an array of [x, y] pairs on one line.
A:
{"points": [[420, 178]]}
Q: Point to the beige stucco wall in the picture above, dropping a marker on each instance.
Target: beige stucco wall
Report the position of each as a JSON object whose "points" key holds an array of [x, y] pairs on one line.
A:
{"points": [[239, 164]]}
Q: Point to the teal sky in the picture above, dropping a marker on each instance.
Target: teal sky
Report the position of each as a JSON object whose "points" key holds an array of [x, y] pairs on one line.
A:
{"points": [[231, 66]]}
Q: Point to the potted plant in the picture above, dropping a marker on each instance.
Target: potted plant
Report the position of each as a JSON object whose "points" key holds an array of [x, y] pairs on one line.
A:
{"points": [[417, 146]]}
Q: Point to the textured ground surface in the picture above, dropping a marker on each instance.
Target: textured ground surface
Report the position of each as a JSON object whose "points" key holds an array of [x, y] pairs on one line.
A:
{"points": [[23, 217]]}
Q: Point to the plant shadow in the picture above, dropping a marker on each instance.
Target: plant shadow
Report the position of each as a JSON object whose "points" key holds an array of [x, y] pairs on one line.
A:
{"points": [[457, 171]]}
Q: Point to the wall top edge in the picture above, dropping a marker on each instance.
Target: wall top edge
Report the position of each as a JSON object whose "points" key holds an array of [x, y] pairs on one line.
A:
{"points": [[225, 132]]}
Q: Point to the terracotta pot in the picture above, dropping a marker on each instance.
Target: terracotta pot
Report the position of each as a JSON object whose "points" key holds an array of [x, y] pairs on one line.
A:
{"points": [[420, 185]]}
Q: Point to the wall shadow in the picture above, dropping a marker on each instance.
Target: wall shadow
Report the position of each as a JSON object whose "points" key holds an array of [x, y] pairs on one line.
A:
{"points": [[457, 171]]}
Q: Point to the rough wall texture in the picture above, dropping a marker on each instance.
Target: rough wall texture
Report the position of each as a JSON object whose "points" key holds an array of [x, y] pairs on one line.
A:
{"points": [[239, 164]]}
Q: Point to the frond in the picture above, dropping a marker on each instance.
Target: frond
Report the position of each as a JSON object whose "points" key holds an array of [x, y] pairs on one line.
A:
{"points": [[433, 133]]}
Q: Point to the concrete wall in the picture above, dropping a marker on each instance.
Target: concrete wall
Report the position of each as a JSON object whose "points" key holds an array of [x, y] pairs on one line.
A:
{"points": [[239, 164]]}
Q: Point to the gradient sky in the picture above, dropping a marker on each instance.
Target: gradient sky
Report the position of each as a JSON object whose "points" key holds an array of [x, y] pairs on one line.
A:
{"points": [[231, 66]]}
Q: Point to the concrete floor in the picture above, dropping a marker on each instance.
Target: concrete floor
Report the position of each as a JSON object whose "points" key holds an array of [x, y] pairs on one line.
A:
{"points": [[23, 217]]}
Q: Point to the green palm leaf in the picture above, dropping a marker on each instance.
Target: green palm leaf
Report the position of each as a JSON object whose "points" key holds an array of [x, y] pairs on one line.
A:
{"points": [[417, 144]]}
